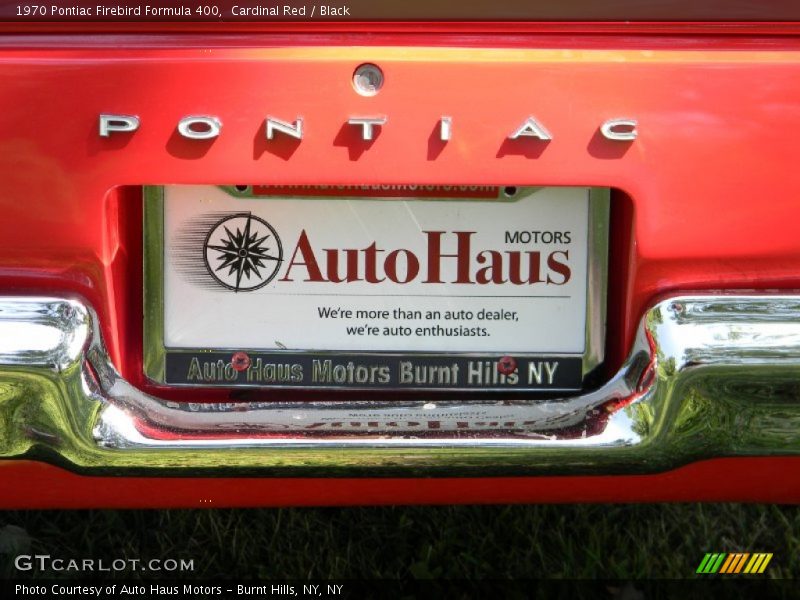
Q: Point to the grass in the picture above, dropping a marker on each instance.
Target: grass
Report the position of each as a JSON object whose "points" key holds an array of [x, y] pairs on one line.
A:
{"points": [[561, 541]]}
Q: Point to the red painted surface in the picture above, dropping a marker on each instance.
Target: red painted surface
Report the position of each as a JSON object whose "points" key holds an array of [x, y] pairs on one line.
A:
{"points": [[38, 485], [707, 197]]}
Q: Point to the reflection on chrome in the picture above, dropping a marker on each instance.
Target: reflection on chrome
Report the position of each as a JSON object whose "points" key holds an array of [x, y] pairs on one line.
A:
{"points": [[707, 376]]}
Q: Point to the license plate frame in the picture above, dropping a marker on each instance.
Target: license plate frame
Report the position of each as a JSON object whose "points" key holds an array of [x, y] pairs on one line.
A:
{"points": [[163, 363]]}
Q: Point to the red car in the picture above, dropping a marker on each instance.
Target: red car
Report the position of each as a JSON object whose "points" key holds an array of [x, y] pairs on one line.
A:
{"points": [[362, 263]]}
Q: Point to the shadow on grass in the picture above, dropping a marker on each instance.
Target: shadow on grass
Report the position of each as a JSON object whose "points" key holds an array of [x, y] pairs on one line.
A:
{"points": [[498, 542]]}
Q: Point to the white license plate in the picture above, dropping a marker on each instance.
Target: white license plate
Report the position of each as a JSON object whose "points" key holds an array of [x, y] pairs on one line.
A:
{"points": [[418, 287]]}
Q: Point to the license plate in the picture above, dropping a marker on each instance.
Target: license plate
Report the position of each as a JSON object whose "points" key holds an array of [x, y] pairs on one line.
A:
{"points": [[381, 287]]}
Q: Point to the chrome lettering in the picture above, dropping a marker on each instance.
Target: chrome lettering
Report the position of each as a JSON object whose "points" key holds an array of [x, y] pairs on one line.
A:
{"points": [[367, 125], [117, 124], [294, 130], [200, 127], [622, 130], [531, 128]]}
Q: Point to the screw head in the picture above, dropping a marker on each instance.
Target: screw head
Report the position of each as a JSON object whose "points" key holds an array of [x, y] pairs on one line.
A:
{"points": [[240, 361], [368, 79], [506, 365]]}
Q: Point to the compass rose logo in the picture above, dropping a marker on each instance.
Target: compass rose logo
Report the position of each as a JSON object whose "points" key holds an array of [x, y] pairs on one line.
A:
{"points": [[243, 252]]}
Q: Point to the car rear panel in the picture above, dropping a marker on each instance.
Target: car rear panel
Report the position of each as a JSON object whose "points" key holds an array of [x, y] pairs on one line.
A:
{"points": [[703, 203]]}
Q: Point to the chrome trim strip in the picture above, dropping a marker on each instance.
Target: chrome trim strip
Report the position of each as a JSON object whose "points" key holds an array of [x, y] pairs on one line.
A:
{"points": [[708, 376], [597, 278], [153, 289]]}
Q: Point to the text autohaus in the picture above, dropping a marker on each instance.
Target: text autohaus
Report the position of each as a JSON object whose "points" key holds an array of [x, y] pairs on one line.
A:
{"points": [[510, 266]]}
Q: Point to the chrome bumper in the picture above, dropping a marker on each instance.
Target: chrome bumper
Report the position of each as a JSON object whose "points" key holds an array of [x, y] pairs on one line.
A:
{"points": [[708, 376]]}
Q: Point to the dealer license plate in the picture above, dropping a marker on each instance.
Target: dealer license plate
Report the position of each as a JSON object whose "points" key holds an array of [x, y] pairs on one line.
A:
{"points": [[384, 287]]}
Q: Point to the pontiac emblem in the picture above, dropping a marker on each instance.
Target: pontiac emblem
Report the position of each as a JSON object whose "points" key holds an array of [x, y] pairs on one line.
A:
{"points": [[207, 127]]}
